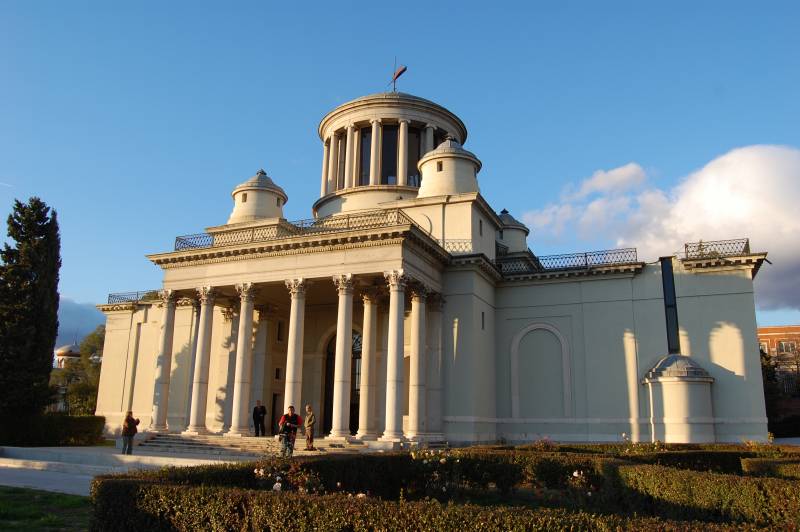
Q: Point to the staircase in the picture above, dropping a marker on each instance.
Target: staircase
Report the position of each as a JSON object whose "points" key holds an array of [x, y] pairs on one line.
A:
{"points": [[244, 448]]}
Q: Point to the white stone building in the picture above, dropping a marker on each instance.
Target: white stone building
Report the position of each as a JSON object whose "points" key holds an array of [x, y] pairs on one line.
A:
{"points": [[409, 309]]}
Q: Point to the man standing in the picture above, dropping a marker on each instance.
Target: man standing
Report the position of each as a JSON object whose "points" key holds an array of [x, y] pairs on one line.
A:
{"points": [[288, 425], [129, 430], [259, 413], [309, 428]]}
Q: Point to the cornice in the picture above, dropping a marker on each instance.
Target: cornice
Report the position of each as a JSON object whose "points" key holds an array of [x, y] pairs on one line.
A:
{"points": [[479, 261], [117, 307], [595, 271], [752, 261]]}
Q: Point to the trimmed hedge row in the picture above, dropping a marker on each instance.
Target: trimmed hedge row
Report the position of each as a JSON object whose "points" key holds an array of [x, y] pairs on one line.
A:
{"points": [[52, 430], [128, 505], [684, 494], [788, 468]]}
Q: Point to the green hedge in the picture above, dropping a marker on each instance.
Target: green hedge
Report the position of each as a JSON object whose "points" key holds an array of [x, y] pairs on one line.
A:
{"points": [[685, 494], [121, 504], [52, 430], [787, 468]]}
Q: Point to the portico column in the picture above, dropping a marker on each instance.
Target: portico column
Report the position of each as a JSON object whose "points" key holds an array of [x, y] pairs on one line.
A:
{"points": [[158, 422], [240, 420], [197, 416], [416, 376], [402, 154], [433, 417], [366, 404], [260, 354], [349, 150], [333, 163], [375, 153], [394, 358], [323, 187], [428, 141], [294, 345], [344, 353]]}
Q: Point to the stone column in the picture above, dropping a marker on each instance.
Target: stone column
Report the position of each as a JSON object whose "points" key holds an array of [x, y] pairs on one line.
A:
{"points": [[260, 354], [197, 417], [428, 140], [416, 376], [240, 419], [193, 359], [323, 187], [344, 354], [333, 163], [158, 422], [294, 344], [366, 408], [434, 429], [375, 153], [402, 153], [349, 150], [394, 358]]}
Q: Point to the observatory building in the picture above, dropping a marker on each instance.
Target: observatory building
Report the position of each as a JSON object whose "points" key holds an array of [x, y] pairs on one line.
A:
{"points": [[407, 309]]}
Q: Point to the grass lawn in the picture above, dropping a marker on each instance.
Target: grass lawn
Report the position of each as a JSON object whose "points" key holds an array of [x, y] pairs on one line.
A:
{"points": [[26, 509]]}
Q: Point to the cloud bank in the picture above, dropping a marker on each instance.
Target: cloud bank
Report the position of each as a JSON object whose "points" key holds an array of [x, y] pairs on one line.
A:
{"points": [[751, 192]]}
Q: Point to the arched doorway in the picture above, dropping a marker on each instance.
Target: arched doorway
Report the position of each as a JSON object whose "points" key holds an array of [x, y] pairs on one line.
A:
{"points": [[355, 383]]}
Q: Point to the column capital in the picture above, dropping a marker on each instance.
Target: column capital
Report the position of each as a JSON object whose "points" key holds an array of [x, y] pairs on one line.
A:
{"points": [[396, 279], [435, 302], [206, 295], [430, 126], [375, 121], [229, 312], [343, 283], [246, 291], [371, 294], [418, 290], [168, 297], [297, 287], [404, 120], [351, 127]]}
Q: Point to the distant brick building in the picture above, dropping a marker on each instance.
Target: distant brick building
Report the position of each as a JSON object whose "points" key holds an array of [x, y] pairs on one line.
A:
{"points": [[782, 343]]}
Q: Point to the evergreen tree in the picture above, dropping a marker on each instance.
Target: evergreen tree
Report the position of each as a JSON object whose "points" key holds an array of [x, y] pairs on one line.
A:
{"points": [[28, 308]]}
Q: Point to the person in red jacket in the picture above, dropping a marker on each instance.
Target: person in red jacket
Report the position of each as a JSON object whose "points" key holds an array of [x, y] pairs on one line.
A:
{"points": [[287, 428]]}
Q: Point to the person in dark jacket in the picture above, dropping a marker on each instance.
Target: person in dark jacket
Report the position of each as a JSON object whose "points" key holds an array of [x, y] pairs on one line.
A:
{"points": [[288, 426], [259, 413], [129, 430]]}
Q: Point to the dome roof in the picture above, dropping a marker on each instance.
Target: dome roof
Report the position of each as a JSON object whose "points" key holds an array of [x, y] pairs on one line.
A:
{"points": [[261, 181], [677, 366], [451, 147], [510, 221], [70, 350]]}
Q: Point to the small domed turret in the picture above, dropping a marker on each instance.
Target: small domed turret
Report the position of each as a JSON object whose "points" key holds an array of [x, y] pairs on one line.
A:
{"points": [[258, 197], [449, 169], [513, 233]]}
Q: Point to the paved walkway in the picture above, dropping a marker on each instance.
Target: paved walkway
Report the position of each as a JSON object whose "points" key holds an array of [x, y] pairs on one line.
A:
{"points": [[45, 480]]}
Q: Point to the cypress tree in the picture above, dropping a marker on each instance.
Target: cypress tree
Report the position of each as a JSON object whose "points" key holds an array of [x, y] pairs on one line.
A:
{"points": [[28, 308]]}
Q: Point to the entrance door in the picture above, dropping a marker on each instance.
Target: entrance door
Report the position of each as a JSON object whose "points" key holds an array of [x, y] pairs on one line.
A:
{"points": [[355, 384], [277, 412]]}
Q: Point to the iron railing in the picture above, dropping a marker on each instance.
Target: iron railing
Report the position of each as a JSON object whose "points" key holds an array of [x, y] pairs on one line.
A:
{"points": [[457, 246], [132, 297], [570, 261], [329, 224], [717, 248]]}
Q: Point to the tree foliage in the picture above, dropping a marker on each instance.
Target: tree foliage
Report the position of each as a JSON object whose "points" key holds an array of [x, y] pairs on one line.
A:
{"points": [[28, 308]]}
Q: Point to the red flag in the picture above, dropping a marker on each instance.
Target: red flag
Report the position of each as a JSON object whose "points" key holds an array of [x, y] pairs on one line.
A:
{"points": [[399, 72]]}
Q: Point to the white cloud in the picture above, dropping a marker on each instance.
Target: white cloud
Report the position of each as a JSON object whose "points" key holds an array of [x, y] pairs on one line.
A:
{"points": [[752, 192]]}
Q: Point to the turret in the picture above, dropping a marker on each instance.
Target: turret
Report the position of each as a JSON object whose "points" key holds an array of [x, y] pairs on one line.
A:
{"points": [[513, 233], [257, 198], [448, 170]]}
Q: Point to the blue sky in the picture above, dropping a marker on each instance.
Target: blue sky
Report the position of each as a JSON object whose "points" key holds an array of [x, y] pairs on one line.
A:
{"points": [[136, 120]]}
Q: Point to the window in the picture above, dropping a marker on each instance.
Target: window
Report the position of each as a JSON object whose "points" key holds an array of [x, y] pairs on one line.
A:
{"points": [[278, 202], [763, 347], [389, 156], [244, 197], [366, 149], [483, 320], [414, 149], [786, 347], [279, 334], [438, 166], [501, 234], [480, 227], [277, 374], [341, 162]]}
